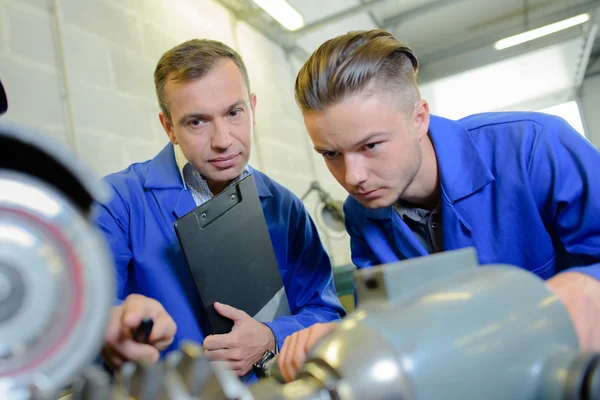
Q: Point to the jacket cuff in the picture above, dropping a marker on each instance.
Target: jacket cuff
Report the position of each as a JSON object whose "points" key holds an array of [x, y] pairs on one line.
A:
{"points": [[277, 334]]}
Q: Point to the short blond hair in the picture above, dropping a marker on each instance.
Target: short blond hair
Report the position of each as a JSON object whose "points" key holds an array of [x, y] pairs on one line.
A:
{"points": [[192, 60], [347, 65]]}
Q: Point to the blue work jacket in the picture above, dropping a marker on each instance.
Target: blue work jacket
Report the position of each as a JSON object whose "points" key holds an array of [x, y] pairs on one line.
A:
{"points": [[138, 225], [518, 187]]}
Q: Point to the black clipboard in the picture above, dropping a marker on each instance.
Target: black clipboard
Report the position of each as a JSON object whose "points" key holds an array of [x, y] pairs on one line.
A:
{"points": [[230, 256]]}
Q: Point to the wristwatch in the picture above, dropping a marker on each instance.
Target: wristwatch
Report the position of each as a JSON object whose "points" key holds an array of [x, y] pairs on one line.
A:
{"points": [[259, 367]]}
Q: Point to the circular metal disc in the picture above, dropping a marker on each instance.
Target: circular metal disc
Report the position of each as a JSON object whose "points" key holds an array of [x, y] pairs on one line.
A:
{"points": [[56, 286]]}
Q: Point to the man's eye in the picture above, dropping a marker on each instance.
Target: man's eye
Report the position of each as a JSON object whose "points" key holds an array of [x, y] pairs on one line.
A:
{"points": [[195, 122], [330, 155], [235, 113], [371, 146]]}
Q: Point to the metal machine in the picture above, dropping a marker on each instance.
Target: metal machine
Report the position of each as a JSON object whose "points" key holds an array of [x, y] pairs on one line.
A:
{"points": [[443, 327], [56, 282], [437, 327]]}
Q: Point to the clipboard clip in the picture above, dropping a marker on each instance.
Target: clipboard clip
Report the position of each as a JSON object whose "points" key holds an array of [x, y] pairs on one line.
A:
{"points": [[214, 209]]}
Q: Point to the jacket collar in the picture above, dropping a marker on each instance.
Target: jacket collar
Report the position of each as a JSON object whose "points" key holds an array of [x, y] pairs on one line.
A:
{"points": [[259, 180], [162, 172], [463, 171]]}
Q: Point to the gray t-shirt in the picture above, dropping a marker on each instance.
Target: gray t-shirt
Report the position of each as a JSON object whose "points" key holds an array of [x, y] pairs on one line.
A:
{"points": [[426, 225]]}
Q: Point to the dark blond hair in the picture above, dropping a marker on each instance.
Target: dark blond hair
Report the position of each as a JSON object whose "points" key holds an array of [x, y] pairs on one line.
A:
{"points": [[350, 64], [192, 60]]}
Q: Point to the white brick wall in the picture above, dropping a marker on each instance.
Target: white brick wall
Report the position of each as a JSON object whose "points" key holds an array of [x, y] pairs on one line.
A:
{"points": [[87, 57], [105, 20], [28, 67], [41, 4], [30, 34], [109, 49]]}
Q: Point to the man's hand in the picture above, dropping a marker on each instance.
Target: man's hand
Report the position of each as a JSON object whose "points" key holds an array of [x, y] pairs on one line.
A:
{"points": [[580, 294], [296, 346], [119, 345], [244, 345]]}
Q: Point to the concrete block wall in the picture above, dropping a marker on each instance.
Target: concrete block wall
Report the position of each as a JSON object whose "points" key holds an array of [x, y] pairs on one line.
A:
{"points": [[28, 66], [82, 71]]}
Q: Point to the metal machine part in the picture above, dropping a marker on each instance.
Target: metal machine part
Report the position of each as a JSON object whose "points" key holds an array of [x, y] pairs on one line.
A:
{"points": [[438, 327], [56, 282], [443, 327], [183, 375]]}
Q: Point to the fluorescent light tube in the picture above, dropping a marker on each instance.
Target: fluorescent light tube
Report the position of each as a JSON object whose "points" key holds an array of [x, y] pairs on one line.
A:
{"points": [[539, 32], [283, 13]]}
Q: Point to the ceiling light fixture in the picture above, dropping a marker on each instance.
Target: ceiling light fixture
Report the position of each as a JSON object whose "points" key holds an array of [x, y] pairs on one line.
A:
{"points": [[539, 32], [283, 13]]}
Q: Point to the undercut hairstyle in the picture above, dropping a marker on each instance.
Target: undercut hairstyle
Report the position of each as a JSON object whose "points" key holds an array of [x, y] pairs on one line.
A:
{"points": [[191, 60], [358, 63]]}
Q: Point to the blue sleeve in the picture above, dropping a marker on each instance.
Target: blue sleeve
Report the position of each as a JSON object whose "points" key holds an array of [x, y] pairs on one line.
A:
{"points": [[113, 221], [311, 291], [362, 255], [562, 170]]}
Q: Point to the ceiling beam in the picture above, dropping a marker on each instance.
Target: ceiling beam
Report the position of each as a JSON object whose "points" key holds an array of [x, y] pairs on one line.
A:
{"points": [[374, 18], [461, 62], [585, 56], [394, 20], [488, 40], [274, 32], [594, 57], [592, 74], [323, 22]]}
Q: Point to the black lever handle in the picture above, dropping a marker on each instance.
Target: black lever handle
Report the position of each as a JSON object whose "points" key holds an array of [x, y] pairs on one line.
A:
{"points": [[142, 332]]}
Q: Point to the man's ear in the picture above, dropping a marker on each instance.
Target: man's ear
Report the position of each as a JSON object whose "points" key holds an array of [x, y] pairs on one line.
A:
{"points": [[421, 118], [168, 127], [253, 106]]}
